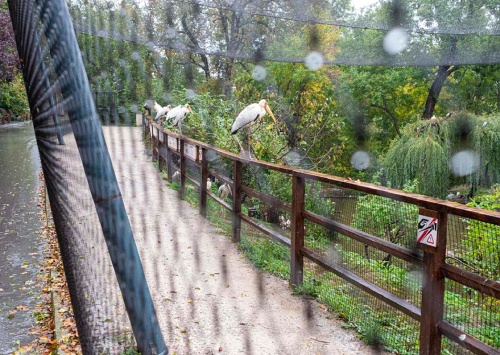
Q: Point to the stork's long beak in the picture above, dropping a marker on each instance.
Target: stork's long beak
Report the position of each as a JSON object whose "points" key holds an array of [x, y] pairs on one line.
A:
{"points": [[271, 114]]}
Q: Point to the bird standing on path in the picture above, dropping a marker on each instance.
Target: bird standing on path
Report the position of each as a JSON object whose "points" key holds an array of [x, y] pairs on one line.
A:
{"points": [[177, 114], [223, 192], [250, 114]]}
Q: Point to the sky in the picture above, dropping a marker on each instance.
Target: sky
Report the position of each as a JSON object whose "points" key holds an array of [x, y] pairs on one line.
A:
{"points": [[360, 4]]}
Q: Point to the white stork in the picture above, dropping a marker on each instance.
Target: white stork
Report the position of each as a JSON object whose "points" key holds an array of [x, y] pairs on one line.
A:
{"points": [[177, 114], [223, 192], [250, 114], [162, 111]]}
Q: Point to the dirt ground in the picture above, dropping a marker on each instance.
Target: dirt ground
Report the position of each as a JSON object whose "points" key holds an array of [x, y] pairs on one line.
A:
{"points": [[209, 299]]}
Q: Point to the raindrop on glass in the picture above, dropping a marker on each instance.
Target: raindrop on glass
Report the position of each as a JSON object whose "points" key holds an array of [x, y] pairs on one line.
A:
{"points": [[171, 33], [167, 96], [293, 158], [395, 40], [414, 279], [333, 254], [122, 109], [122, 63], [190, 94], [314, 60], [136, 56], [134, 107], [360, 160], [104, 75], [259, 73], [464, 163]]}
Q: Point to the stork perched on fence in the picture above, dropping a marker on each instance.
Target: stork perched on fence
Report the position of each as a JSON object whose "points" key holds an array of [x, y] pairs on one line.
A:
{"points": [[162, 112], [177, 115], [246, 118]]}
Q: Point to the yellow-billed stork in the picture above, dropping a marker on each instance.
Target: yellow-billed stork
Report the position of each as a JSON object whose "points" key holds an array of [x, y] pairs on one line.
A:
{"points": [[177, 114], [250, 115]]}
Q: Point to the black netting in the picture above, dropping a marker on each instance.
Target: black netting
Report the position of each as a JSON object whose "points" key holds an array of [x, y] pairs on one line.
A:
{"points": [[257, 30], [354, 89]]}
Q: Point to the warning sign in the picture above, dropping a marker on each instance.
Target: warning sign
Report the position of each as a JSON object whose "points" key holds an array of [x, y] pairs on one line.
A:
{"points": [[427, 230]]}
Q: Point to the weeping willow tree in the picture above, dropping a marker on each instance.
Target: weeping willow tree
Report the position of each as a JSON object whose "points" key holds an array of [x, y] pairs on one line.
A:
{"points": [[439, 153]]}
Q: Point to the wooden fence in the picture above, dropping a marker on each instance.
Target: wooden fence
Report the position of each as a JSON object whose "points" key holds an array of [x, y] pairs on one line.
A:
{"points": [[435, 268]]}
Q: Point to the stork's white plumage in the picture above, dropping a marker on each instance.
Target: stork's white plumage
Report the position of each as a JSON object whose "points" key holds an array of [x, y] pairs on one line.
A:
{"points": [[162, 111], [177, 114], [251, 114], [209, 184], [224, 191], [157, 107]]}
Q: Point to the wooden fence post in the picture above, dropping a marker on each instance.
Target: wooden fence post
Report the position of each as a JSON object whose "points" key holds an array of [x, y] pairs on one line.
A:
{"points": [[297, 231], [203, 183], [182, 161], [237, 195], [143, 127], [433, 288], [161, 160], [152, 136], [156, 144], [170, 173]]}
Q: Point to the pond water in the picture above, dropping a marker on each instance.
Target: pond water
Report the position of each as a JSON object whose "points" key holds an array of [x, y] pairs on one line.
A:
{"points": [[20, 224]]}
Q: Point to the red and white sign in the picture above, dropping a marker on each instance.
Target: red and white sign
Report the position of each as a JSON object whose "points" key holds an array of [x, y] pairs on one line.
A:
{"points": [[427, 230]]}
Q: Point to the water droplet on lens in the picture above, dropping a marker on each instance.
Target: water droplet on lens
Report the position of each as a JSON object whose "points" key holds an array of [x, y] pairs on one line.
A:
{"points": [[167, 96], [259, 73], [293, 158], [171, 33], [464, 163], [360, 160], [136, 56], [395, 40], [134, 107], [190, 94], [314, 60]]}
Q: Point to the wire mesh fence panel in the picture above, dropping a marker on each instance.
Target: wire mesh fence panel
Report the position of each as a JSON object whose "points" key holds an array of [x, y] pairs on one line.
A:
{"points": [[472, 312], [473, 246], [380, 324]]}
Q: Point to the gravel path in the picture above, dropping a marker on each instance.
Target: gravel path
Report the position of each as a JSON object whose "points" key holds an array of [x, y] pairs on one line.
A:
{"points": [[209, 299]]}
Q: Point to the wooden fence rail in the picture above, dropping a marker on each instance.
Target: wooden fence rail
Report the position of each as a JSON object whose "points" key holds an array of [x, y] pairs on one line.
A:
{"points": [[165, 144]]}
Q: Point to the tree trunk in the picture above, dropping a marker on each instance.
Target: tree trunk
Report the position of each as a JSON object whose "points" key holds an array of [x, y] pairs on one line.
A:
{"points": [[204, 66], [435, 90], [444, 71]]}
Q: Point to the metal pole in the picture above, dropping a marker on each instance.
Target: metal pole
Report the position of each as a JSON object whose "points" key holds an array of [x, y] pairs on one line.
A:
{"points": [[96, 161]]}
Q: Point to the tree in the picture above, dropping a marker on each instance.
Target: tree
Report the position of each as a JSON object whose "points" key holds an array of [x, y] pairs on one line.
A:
{"points": [[438, 153], [9, 59]]}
